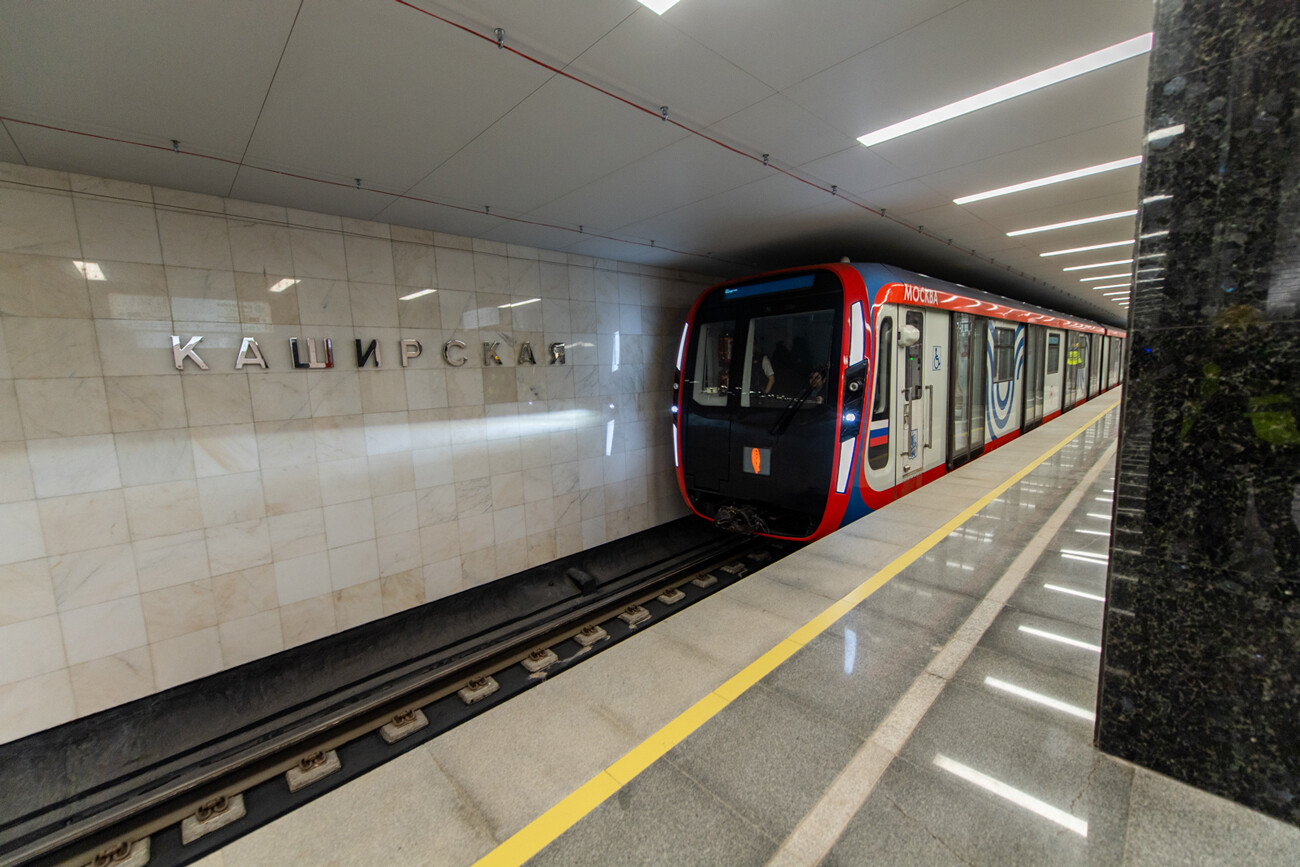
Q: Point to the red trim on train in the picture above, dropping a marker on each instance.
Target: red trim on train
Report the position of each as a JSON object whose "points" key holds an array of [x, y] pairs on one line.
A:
{"points": [[1050, 416], [1002, 440]]}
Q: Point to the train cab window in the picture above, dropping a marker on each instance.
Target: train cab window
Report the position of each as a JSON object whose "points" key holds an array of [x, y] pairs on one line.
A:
{"points": [[713, 363], [782, 353], [1053, 353], [878, 438], [1004, 348]]}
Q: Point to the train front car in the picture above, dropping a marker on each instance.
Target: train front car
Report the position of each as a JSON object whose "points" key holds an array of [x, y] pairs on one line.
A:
{"points": [[764, 438]]}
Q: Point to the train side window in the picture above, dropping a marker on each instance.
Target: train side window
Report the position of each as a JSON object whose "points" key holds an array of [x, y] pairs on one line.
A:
{"points": [[713, 363], [1053, 353], [1004, 348], [878, 435]]}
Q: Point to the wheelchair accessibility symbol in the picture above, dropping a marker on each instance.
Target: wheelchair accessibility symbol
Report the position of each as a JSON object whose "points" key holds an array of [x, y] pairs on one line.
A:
{"points": [[938, 365]]}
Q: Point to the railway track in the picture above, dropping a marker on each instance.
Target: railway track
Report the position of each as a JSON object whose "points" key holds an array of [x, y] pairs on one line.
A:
{"points": [[181, 809]]}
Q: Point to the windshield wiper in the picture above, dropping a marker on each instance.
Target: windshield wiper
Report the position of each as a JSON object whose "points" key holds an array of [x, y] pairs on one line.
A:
{"points": [[787, 415]]}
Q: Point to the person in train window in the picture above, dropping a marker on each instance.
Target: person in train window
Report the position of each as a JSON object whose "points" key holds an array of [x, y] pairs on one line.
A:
{"points": [[768, 377], [817, 385]]}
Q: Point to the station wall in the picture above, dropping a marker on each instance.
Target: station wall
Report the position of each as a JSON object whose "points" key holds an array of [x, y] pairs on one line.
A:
{"points": [[158, 525]]}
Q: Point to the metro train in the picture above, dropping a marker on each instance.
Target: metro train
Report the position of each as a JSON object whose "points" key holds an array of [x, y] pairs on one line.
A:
{"points": [[807, 398]]}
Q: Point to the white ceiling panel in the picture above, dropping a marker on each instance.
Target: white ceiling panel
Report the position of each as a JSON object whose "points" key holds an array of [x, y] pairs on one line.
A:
{"points": [[560, 138], [782, 43], [8, 150], [528, 235], [123, 162], [856, 170], [557, 30], [379, 92], [687, 171], [1090, 147], [646, 58], [780, 128], [194, 71]]}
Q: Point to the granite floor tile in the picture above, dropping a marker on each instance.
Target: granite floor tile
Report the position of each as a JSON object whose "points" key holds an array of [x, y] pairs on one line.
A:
{"points": [[661, 817], [1043, 641], [927, 606], [854, 673], [1052, 762], [1171, 823], [1009, 672], [767, 758]]}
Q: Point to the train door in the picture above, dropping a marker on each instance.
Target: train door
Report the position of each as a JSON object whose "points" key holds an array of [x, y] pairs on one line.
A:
{"points": [[1094, 365], [1053, 376], [965, 389], [880, 429], [1006, 360], [1033, 403], [1104, 365], [922, 353]]}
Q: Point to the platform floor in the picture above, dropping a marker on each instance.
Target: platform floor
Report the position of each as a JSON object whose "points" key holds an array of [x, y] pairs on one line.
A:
{"points": [[916, 689]]}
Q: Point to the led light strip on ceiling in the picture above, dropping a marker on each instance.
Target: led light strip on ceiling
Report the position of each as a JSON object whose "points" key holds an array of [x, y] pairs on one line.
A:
{"points": [[1052, 179], [1053, 75]]}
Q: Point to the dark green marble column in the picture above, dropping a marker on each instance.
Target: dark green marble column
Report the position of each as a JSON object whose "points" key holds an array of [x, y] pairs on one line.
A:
{"points": [[1200, 671]]}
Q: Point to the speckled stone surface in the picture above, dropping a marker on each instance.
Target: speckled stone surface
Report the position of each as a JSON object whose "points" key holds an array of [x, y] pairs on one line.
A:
{"points": [[1202, 631]]}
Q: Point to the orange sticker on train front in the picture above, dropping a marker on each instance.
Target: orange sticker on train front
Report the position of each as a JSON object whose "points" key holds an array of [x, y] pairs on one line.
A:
{"points": [[756, 460]]}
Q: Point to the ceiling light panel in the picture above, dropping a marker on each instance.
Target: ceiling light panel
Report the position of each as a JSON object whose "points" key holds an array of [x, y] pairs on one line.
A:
{"points": [[1061, 72], [1101, 218], [1051, 179], [1127, 243], [658, 7], [1099, 265]]}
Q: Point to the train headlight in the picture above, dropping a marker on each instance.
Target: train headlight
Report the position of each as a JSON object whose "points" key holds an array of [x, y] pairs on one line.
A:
{"points": [[849, 417], [674, 409]]}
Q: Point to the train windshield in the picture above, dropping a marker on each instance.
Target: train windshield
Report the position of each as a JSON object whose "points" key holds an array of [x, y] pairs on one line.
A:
{"points": [[787, 356]]}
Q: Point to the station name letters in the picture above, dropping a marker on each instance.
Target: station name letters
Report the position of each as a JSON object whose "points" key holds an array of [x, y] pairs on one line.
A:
{"points": [[308, 355]]}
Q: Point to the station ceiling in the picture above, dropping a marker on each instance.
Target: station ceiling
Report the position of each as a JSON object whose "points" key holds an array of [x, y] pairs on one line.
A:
{"points": [[409, 112]]}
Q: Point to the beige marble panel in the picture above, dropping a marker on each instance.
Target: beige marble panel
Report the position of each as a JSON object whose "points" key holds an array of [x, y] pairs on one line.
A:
{"points": [[112, 680], [62, 407], [185, 658], [250, 638], [34, 704], [307, 620], [38, 222], [75, 523], [102, 630], [242, 594], [137, 403], [42, 286]]}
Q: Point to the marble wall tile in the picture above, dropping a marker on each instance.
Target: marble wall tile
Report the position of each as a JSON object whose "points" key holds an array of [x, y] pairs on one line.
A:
{"points": [[238, 595], [51, 348], [186, 657], [224, 449], [102, 630], [30, 648], [34, 704], [15, 473], [359, 604], [301, 578], [129, 290], [73, 523], [90, 577], [117, 230], [111, 680], [42, 286], [38, 222], [354, 564], [137, 403], [28, 591], [308, 620], [318, 253], [166, 561], [292, 488], [202, 295], [164, 509], [154, 456], [402, 591], [178, 610], [238, 546], [250, 638], [73, 465], [194, 240], [256, 246]]}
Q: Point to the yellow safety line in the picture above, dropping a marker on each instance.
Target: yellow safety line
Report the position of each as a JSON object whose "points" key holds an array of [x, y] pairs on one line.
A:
{"points": [[540, 832]]}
